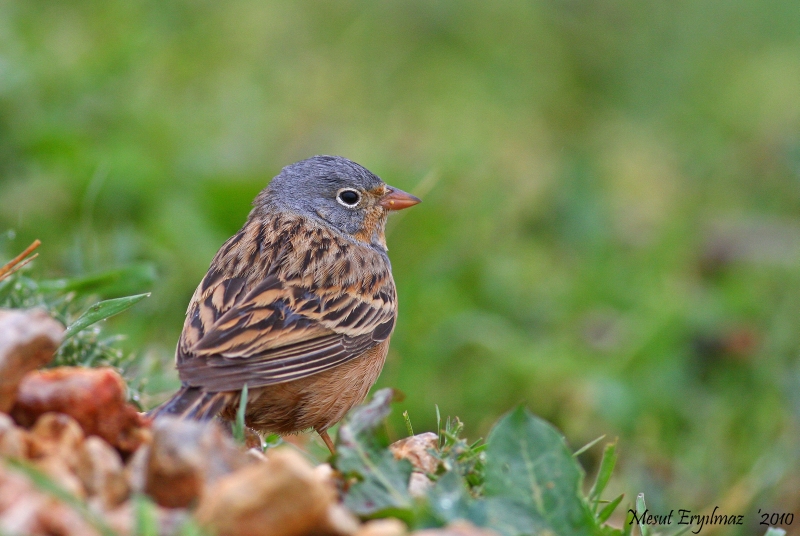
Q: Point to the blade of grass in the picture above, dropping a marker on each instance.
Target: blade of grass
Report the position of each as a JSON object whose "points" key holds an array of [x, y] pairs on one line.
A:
{"points": [[238, 426], [146, 516], [587, 446], [407, 420], [101, 311], [137, 275], [608, 509], [7, 269], [19, 266], [607, 464], [190, 528], [641, 507], [627, 527], [272, 441], [439, 425]]}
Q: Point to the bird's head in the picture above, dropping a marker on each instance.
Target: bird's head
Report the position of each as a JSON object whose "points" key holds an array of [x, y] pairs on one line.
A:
{"points": [[338, 191]]}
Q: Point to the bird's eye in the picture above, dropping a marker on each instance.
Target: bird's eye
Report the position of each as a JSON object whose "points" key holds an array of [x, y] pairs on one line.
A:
{"points": [[348, 197]]}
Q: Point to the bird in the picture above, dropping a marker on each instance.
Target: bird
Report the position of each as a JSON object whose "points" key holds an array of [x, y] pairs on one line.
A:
{"points": [[298, 306]]}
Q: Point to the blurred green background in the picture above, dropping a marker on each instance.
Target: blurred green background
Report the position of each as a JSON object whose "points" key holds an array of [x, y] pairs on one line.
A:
{"points": [[611, 225]]}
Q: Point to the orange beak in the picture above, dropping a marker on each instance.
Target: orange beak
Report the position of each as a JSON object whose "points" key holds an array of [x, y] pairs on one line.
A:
{"points": [[395, 199]]}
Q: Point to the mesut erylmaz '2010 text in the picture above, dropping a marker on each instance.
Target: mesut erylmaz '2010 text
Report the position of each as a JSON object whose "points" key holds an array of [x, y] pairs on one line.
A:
{"points": [[685, 517]]}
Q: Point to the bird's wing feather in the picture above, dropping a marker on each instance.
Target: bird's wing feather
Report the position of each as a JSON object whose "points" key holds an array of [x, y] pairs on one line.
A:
{"points": [[281, 330]]}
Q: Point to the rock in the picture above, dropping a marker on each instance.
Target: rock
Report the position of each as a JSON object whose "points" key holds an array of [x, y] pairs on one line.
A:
{"points": [[256, 455], [24, 509], [281, 496], [56, 435], [383, 527], [56, 441], [59, 472], [419, 485], [325, 474], [28, 340], [13, 440], [136, 469], [101, 471], [338, 521], [185, 456], [95, 398], [175, 465], [416, 450]]}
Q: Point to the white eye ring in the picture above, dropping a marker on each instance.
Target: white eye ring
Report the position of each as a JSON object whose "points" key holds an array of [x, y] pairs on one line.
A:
{"points": [[348, 191]]}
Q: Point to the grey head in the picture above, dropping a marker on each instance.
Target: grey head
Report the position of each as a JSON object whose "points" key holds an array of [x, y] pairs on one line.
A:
{"points": [[341, 193]]}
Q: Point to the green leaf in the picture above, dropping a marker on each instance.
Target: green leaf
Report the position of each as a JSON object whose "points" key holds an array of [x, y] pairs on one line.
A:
{"points": [[529, 465], [607, 464], [774, 531], [381, 482], [362, 422], [450, 500], [119, 281], [238, 426], [608, 509], [101, 311]]}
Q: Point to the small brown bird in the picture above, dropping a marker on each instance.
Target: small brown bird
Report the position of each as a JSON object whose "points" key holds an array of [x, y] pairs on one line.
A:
{"points": [[299, 305]]}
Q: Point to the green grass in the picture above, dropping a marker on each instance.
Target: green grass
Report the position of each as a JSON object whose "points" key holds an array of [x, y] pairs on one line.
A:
{"points": [[611, 198]]}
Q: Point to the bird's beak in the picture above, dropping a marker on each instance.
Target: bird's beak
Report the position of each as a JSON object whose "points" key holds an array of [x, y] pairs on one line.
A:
{"points": [[395, 199]]}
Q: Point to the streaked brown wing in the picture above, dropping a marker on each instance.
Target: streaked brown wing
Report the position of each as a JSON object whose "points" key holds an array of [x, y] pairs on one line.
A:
{"points": [[280, 331], [225, 374]]}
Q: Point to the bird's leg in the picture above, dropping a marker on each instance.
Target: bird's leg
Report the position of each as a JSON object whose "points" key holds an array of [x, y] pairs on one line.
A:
{"points": [[327, 439]]}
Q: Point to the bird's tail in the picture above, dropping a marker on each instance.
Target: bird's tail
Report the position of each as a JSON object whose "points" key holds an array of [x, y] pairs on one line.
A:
{"points": [[192, 403]]}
